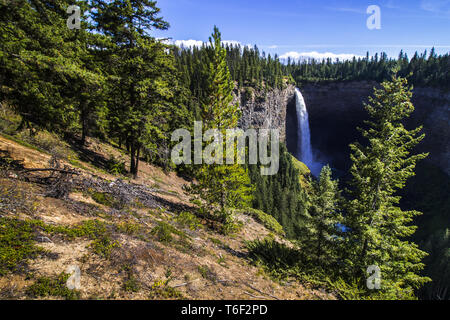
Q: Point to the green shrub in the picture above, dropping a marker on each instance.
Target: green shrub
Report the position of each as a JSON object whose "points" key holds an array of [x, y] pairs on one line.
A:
{"points": [[131, 284], [106, 199], [189, 220], [9, 119], [164, 232], [160, 290], [53, 287], [267, 220], [50, 142], [207, 273], [231, 226], [115, 166], [129, 228], [104, 246], [16, 245], [91, 229], [216, 241], [279, 260]]}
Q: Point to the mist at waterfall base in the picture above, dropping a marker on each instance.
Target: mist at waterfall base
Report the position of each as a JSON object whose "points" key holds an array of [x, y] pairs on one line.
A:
{"points": [[304, 149]]}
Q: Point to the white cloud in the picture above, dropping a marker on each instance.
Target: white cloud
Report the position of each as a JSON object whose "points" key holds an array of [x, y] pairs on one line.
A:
{"points": [[231, 43], [437, 6], [347, 9], [298, 56], [188, 43], [198, 43]]}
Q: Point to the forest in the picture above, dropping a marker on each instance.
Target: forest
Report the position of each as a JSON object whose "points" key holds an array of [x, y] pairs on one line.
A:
{"points": [[112, 80]]}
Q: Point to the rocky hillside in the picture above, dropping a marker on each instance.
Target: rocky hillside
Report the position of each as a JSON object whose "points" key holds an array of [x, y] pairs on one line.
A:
{"points": [[75, 220]]}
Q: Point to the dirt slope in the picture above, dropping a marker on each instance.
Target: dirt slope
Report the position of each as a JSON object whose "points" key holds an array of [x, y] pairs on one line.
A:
{"points": [[149, 248]]}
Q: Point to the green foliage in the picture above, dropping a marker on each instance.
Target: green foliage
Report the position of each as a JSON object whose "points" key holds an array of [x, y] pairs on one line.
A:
{"points": [[248, 69], [320, 235], [189, 220], [220, 186], [49, 142], [281, 195], [421, 69], [379, 228], [267, 220], [131, 284], [142, 100], [106, 199], [52, 287], [160, 290], [428, 193], [95, 230], [437, 266], [165, 232], [231, 225], [41, 61], [115, 166], [103, 246], [216, 241], [9, 119], [207, 273], [129, 228], [279, 260], [16, 245], [92, 229]]}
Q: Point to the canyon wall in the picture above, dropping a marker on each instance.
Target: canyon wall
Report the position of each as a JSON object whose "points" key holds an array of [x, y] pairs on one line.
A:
{"points": [[263, 109], [336, 110]]}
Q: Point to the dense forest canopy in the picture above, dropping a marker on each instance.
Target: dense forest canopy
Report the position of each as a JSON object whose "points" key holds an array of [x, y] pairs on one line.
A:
{"points": [[250, 67]]}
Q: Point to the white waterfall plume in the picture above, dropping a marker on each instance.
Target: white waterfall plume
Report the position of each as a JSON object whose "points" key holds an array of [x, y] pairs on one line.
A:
{"points": [[304, 148]]}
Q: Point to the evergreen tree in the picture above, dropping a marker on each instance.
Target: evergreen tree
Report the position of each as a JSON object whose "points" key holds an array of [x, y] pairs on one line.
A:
{"points": [[221, 186], [321, 234], [379, 229], [40, 62], [281, 195], [140, 70]]}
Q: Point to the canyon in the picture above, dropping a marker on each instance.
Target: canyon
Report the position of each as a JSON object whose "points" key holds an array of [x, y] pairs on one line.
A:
{"points": [[336, 111]]}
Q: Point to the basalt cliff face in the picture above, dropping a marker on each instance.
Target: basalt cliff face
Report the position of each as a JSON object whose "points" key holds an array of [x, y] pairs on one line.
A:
{"points": [[336, 110], [271, 109]]}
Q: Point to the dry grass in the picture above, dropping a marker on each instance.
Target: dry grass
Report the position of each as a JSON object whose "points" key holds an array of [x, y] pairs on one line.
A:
{"points": [[213, 266]]}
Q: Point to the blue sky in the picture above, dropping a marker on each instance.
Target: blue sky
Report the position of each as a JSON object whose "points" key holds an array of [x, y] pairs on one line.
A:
{"points": [[296, 27]]}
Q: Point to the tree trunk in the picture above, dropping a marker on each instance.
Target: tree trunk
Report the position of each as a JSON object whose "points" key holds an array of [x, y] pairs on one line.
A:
{"points": [[132, 156], [84, 115], [136, 166], [83, 129]]}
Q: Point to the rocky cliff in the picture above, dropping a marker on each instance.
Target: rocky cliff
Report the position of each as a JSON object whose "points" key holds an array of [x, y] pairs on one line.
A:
{"points": [[266, 109], [336, 109]]}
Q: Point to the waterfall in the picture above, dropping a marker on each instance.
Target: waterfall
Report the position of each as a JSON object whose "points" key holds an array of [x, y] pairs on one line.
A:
{"points": [[304, 149]]}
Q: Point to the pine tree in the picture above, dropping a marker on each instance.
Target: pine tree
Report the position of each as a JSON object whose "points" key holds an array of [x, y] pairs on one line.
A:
{"points": [[379, 228], [221, 186], [40, 62], [140, 71], [321, 234]]}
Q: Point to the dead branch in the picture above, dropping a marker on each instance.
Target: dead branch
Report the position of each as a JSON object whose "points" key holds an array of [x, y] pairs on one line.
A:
{"points": [[253, 296], [266, 294], [52, 170], [184, 284]]}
